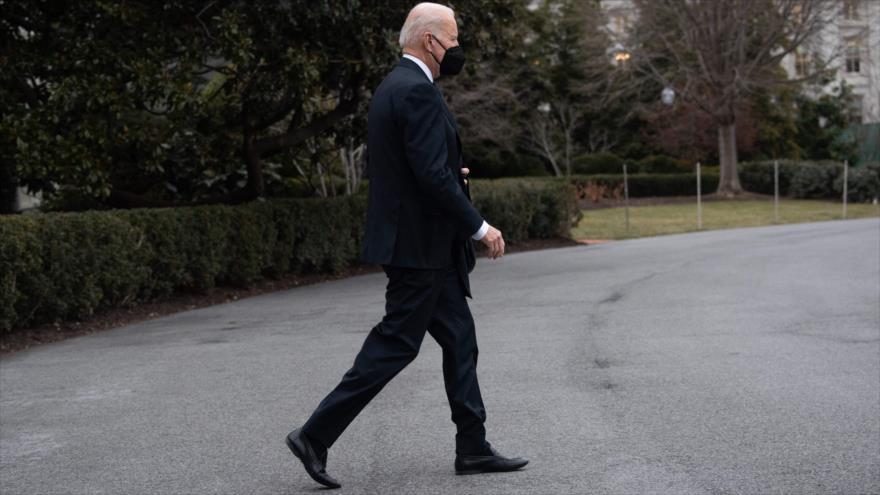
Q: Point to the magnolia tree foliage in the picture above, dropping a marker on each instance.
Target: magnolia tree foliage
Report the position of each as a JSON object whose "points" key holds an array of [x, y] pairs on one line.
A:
{"points": [[160, 103]]}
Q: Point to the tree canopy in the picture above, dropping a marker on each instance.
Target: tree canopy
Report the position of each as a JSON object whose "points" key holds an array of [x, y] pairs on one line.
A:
{"points": [[158, 103]]}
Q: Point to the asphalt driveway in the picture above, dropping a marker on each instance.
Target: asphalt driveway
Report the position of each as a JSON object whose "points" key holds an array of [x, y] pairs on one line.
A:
{"points": [[730, 361]]}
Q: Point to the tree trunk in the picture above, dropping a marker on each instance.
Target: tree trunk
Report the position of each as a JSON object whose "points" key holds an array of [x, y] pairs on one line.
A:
{"points": [[567, 153], [253, 159], [351, 157], [728, 184]]}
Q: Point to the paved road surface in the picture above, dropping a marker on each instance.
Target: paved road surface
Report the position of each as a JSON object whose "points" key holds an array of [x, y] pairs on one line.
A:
{"points": [[734, 361]]}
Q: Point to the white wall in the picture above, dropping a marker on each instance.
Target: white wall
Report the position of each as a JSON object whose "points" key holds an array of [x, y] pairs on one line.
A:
{"points": [[26, 201], [830, 43]]}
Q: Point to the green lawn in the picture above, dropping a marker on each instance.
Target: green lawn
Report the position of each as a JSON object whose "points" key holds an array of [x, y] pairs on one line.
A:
{"points": [[609, 223]]}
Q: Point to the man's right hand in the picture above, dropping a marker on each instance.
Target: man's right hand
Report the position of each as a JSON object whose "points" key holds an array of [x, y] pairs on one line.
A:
{"points": [[494, 242]]}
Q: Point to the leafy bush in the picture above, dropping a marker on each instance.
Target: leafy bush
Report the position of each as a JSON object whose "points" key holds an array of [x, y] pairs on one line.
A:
{"points": [[61, 266], [810, 179], [863, 183], [295, 187], [758, 176], [527, 166], [597, 163], [814, 180], [528, 208], [489, 163], [642, 185], [662, 164], [58, 266]]}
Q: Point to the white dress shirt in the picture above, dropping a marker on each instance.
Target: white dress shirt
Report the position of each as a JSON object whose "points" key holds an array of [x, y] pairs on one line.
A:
{"points": [[485, 227], [421, 64]]}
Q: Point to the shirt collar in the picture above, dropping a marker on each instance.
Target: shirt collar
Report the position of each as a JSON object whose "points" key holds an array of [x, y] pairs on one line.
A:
{"points": [[421, 64]]}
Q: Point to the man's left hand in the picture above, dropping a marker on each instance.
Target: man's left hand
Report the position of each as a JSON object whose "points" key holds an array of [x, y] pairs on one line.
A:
{"points": [[464, 172]]}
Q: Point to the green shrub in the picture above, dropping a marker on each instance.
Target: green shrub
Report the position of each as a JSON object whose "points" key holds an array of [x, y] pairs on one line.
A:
{"points": [[492, 163], [527, 208], [527, 166], [807, 179], [662, 164], [295, 187], [814, 180], [758, 176], [643, 185], [67, 264], [597, 163], [863, 183], [634, 150], [556, 210], [63, 266]]}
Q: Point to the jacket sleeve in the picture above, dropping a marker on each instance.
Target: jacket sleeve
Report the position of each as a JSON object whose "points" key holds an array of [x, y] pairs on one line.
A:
{"points": [[424, 138]]}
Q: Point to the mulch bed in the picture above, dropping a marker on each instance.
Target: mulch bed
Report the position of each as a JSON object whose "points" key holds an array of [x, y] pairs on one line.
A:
{"points": [[24, 338]]}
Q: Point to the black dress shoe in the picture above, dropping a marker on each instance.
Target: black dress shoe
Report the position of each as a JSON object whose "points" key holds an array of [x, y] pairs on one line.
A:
{"points": [[315, 462], [488, 462]]}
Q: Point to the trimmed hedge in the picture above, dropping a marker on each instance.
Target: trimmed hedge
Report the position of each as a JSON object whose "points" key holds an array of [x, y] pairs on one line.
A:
{"points": [[597, 163], [63, 266], [662, 164], [758, 176], [863, 184], [60, 266], [533, 208], [642, 185], [806, 179], [814, 180], [611, 164]]}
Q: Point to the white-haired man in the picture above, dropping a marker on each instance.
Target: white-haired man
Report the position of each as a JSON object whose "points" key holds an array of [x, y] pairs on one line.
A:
{"points": [[420, 222]]}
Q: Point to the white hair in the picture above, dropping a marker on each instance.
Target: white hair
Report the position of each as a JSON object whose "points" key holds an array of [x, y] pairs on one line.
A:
{"points": [[423, 18]]}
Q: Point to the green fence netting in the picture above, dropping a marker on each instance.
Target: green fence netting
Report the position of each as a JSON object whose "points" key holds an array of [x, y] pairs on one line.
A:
{"points": [[867, 137]]}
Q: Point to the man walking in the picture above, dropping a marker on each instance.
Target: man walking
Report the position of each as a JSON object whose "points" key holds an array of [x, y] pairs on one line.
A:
{"points": [[420, 222]]}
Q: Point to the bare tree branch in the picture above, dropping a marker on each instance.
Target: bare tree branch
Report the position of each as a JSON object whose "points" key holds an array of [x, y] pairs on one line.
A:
{"points": [[713, 53]]}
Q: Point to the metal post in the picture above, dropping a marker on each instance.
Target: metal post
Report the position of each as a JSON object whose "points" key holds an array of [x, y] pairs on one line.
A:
{"points": [[626, 197], [775, 191], [845, 174], [699, 200]]}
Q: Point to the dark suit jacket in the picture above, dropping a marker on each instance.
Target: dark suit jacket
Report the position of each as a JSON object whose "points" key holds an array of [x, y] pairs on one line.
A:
{"points": [[420, 213]]}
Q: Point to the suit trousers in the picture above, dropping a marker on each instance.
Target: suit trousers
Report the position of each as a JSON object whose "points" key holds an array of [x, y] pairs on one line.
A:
{"points": [[416, 300]]}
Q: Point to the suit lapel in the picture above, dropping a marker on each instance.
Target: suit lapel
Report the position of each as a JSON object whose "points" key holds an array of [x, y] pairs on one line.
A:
{"points": [[449, 116], [451, 119]]}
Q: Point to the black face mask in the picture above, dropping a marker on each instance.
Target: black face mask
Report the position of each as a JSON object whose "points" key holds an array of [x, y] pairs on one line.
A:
{"points": [[453, 59]]}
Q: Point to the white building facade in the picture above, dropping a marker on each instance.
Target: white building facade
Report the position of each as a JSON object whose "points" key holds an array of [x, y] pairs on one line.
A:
{"points": [[851, 42]]}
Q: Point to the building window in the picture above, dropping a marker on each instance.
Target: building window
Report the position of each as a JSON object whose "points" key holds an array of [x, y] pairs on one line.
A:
{"points": [[855, 108], [801, 63], [853, 59], [851, 9]]}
